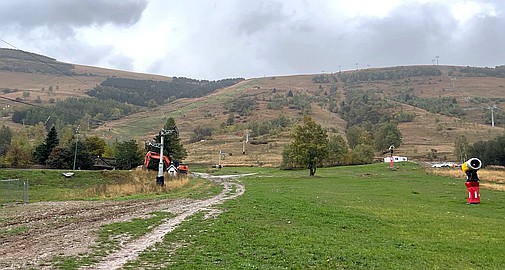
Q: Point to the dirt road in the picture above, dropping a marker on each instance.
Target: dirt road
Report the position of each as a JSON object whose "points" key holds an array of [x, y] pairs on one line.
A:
{"points": [[41, 231]]}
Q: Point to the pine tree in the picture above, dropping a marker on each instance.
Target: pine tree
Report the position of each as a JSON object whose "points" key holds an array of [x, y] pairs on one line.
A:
{"points": [[42, 151], [172, 146]]}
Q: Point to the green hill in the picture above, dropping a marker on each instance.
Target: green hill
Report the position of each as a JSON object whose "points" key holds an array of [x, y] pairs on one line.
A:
{"points": [[433, 105]]}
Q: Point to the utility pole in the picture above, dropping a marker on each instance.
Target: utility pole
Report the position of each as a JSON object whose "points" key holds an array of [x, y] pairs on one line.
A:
{"points": [[492, 114], [246, 140], [76, 140], [160, 179]]}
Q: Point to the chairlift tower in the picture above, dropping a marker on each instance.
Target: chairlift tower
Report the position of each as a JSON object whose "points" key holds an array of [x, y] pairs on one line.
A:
{"points": [[246, 140], [492, 114], [160, 179]]}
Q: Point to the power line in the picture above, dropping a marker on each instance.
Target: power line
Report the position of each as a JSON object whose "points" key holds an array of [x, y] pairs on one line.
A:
{"points": [[46, 63], [22, 102], [55, 68]]}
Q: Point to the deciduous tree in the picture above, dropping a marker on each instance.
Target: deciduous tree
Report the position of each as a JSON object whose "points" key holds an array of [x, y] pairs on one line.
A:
{"points": [[388, 134], [310, 145]]}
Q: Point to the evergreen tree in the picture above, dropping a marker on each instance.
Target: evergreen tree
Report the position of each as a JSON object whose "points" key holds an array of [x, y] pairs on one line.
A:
{"points": [[172, 146], [128, 155], [42, 151]]}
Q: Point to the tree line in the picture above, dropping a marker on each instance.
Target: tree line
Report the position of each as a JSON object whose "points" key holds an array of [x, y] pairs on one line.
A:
{"points": [[311, 147], [490, 152], [63, 148], [152, 93], [394, 73], [443, 105], [498, 71], [72, 110]]}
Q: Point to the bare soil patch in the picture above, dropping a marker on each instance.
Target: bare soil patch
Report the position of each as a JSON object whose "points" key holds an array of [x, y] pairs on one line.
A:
{"points": [[49, 229]]}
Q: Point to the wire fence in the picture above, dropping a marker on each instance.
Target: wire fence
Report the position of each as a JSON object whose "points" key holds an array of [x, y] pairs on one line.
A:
{"points": [[14, 191]]}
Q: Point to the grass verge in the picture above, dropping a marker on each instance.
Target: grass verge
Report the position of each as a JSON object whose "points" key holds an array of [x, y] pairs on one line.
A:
{"points": [[357, 217], [51, 185], [110, 238]]}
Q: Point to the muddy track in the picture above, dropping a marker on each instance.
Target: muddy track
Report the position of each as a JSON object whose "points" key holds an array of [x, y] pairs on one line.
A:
{"points": [[133, 249], [69, 228]]}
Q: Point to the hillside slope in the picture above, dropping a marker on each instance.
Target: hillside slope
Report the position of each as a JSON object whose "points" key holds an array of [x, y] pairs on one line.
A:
{"points": [[253, 104]]}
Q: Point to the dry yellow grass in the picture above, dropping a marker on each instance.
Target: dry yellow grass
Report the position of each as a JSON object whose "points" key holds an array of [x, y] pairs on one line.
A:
{"points": [[141, 183], [493, 179]]}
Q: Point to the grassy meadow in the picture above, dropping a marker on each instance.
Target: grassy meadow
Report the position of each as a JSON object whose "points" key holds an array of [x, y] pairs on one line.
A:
{"points": [[354, 217], [51, 185], [358, 217]]}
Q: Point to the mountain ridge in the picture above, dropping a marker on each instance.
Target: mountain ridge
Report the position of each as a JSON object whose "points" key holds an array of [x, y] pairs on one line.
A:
{"points": [[429, 136]]}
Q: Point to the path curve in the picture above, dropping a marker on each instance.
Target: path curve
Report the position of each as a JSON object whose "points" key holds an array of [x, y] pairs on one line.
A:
{"points": [[231, 190]]}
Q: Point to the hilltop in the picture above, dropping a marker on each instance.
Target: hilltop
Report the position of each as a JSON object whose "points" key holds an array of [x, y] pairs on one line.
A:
{"points": [[434, 104]]}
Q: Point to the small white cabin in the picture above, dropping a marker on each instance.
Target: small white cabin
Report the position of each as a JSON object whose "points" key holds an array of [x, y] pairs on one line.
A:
{"points": [[395, 159], [172, 170]]}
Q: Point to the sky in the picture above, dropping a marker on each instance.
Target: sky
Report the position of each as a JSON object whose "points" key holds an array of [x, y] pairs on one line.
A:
{"points": [[217, 39]]}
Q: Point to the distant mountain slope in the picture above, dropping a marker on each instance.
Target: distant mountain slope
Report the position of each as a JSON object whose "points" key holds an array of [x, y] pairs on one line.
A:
{"points": [[434, 105]]}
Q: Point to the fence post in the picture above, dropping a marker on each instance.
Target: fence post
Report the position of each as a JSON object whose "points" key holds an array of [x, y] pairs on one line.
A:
{"points": [[25, 191]]}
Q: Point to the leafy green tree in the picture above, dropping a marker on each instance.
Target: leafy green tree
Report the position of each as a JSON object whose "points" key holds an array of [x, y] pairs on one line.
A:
{"points": [[491, 152], [201, 133], [20, 152], [310, 145], [152, 104], [362, 154], [5, 139], [128, 154], [358, 135], [337, 150], [288, 162], [388, 134], [461, 148], [42, 151], [95, 145], [231, 119]]}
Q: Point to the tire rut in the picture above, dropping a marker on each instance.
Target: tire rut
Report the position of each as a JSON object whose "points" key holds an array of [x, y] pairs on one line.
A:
{"points": [[231, 190]]}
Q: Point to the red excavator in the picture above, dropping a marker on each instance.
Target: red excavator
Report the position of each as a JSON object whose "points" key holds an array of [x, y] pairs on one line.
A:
{"points": [[181, 168]]}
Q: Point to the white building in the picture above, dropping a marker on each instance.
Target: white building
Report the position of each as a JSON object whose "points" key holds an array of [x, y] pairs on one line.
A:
{"points": [[395, 159]]}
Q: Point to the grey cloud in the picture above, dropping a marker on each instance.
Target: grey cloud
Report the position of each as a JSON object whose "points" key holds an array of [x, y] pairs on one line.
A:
{"points": [[121, 61], [260, 17], [411, 34], [484, 42], [53, 13]]}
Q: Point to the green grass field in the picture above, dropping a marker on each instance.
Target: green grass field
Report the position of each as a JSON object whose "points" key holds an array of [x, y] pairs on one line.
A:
{"points": [[360, 217], [355, 217]]}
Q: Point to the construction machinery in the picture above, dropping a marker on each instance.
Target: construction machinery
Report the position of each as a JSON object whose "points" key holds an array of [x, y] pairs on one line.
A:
{"points": [[180, 167]]}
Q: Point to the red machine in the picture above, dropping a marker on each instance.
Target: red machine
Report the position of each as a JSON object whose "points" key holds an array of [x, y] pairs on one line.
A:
{"points": [[154, 155], [182, 168]]}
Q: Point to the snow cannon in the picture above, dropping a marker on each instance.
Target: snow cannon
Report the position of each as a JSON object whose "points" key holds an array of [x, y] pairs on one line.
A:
{"points": [[470, 167]]}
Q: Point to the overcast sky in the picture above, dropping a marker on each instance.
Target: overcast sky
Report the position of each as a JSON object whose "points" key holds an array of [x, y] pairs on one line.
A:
{"points": [[217, 39]]}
